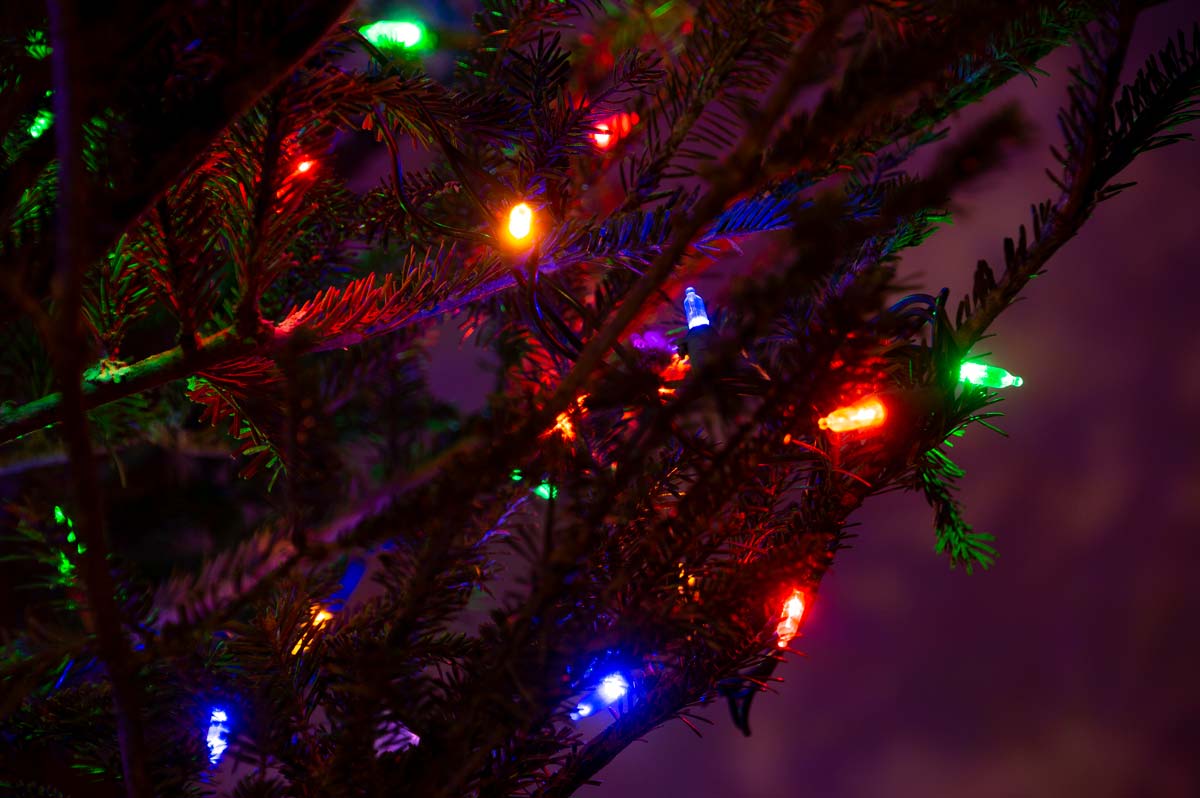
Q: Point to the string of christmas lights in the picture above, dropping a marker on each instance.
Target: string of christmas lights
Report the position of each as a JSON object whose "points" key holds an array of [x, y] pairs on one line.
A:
{"points": [[544, 205]]}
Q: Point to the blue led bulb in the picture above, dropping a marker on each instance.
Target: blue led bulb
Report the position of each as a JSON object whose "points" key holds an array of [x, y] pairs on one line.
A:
{"points": [[216, 738], [612, 688], [693, 308]]}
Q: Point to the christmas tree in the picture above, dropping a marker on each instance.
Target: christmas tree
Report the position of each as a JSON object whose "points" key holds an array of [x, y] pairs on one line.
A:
{"points": [[249, 550]]}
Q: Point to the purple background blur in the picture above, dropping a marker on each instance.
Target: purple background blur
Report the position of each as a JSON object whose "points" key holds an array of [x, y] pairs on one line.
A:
{"points": [[1072, 667]]}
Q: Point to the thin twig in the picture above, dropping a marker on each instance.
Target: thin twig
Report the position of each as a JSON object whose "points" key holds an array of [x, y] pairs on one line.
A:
{"points": [[1073, 207]]}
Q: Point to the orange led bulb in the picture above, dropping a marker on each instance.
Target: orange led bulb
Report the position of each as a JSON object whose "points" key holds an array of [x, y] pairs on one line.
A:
{"points": [[520, 222], [870, 412]]}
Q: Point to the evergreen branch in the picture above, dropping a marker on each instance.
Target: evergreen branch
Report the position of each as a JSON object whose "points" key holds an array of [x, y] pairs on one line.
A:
{"points": [[719, 482], [412, 105], [173, 364], [1164, 95], [935, 476], [169, 365], [380, 310], [689, 495], [181, 136], [115, 297], [389, 507], [168, 131], [739, 40], [232, 578], [736, 175], [1088, 129], [680, 692], [581, 767], [185, 284], [228, 393], [505, 25]]}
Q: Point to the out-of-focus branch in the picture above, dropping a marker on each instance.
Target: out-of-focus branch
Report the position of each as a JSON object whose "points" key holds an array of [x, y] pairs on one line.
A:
{"points": [[168, 142], [68, 358]]}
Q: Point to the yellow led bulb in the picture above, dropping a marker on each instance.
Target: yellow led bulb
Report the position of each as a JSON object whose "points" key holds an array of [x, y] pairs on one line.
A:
{"points": [[520, 222]]}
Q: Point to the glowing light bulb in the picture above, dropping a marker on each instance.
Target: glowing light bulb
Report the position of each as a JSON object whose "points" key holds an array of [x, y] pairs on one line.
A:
{"points": [[988, 376], [603, 136], [520, 221], [613, 129], [320, 617], [41, 123], [789, 618], [217, 742], [867, 413], [563, 424], [303, 167], [391, 33], [693, 308], [612, 688], [66, 568], [677, 369], [545, 491]]}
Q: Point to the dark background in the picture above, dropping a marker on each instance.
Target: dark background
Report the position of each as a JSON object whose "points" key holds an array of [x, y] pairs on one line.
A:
{"points": [[1072, 667]]}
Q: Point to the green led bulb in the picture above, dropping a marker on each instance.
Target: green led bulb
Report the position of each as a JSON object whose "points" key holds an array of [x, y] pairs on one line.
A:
{"points": [[41, 123], [545, 491], [395, 33], [516, 475], [988, 376]]}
